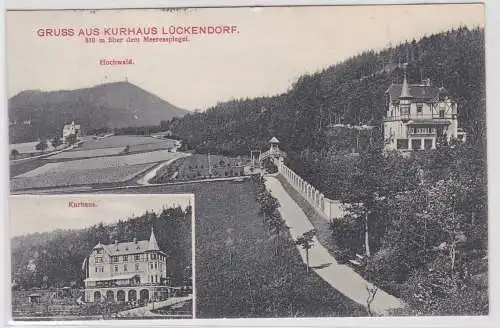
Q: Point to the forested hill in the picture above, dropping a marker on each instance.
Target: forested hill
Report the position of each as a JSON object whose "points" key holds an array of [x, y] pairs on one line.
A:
{"points": [[54, 259], [348, 92]]}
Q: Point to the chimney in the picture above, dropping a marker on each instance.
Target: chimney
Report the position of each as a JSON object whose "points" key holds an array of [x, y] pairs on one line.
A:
{"points": [[135, 240], [116, 243]]}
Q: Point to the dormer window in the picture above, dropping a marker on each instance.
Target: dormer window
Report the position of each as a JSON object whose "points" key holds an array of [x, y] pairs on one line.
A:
{"points": [[99, 251], [420, 106]]}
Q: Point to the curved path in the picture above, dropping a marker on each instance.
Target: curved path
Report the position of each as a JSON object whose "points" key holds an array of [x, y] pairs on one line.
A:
{"points": [[341, 277], [144, 180]]}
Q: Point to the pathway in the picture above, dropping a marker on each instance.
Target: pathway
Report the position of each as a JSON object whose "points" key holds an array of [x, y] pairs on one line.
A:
{"points": [[144, 180], [341, 277], [145, 311]]}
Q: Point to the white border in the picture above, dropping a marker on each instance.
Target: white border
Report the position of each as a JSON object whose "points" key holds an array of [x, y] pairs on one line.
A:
{"points": [[99, 4], [493, 133]]}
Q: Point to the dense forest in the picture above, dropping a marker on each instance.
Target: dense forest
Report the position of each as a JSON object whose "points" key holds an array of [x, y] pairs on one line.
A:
{"points": [[54, 259], [350, 92], [422, 222]]}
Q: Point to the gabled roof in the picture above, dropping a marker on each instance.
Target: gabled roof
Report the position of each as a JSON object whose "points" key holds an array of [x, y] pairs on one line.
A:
{"points": [[132, 247], [417, 91], [126, 248], [274, 140]]}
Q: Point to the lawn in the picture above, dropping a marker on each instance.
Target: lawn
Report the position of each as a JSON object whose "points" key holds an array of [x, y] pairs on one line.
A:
{"points": [[29, 147], [90, 171], [135, 143], [238, 272], [74, 154], [79, 176], [197, 167]]}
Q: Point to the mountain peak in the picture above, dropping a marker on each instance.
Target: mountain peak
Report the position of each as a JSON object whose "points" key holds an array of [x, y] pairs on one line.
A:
{"points": [[110, 105]]}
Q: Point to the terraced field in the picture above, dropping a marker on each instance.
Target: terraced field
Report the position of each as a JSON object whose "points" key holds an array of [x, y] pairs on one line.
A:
{"points": [[78, 177], [75, 154], [90, 171], [197, 167], [135, 143]]}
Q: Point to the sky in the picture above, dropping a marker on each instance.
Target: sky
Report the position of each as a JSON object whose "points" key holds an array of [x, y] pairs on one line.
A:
{"points": [[272, 47], [42, 213]]}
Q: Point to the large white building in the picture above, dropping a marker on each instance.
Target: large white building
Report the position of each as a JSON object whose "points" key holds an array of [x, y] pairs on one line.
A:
{"points": [[417, 115], [127, 271], [70, 129]]}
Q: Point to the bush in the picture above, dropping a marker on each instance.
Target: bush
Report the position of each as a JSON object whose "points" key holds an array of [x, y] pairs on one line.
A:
{"points": [[343, 255], [348, 233]]}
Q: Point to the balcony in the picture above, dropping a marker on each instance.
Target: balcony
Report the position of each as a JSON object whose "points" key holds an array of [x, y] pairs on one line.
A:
{"points": [[422, 134]]}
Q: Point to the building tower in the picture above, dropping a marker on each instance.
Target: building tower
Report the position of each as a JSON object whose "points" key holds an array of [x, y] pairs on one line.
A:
{"points": [[405, 100]]}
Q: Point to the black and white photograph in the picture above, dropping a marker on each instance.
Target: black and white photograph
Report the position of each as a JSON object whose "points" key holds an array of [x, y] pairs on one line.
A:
{"points": [[106, 257], [336, 154]]}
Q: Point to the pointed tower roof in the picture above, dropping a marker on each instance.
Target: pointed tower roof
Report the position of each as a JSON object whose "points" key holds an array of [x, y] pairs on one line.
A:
{"points": [[405, 90], [274, 140], [153, 244]]}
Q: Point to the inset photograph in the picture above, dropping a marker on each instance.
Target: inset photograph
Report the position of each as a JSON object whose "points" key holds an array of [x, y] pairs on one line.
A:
{"points": [[95, 257]]}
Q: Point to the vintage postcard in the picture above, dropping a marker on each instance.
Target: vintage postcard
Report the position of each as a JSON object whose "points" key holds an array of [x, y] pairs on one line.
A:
{"points": [[337, 154], [89, 257]]}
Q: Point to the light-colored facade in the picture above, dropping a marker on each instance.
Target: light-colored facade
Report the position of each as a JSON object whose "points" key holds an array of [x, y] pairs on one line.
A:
{"points": [[70, 129], [417, 115], [127, 271]]}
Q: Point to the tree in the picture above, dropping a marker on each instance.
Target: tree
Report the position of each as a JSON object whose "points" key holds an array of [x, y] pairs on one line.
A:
{"points": [[14, 153], [306, 241], [56, 142], [42, 145], [372, 291]]}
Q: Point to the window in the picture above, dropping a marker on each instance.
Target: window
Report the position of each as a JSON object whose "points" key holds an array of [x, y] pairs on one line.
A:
{"points": [[116, 268], [137, 267], [419, 109], [153, 256], [428, 144], [441, 113], [125, 258], [156, 278], [151, 265], [156, 265], [95, 269], [99, 251], [114, 259], [402, 143], [98, 259], [137, 257], [125, 267], [416, 144]]}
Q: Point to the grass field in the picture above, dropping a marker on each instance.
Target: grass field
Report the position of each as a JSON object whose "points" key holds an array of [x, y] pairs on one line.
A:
{"points": [[135, 143], [29, 147], [90, 171], [74, 154], [197, 167], [78, 177], [238, 272]]}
